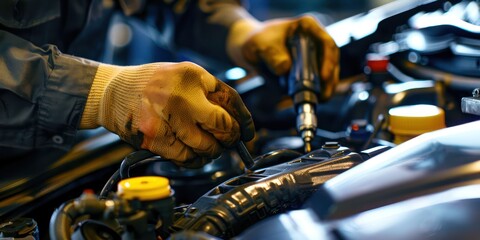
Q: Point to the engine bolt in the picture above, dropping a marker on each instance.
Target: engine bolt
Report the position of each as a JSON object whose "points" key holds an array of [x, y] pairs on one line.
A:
{"points": [[476, 92]]}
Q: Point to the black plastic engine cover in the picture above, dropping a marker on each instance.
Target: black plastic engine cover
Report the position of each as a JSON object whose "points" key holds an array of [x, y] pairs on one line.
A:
{"points": [[236, 204]]}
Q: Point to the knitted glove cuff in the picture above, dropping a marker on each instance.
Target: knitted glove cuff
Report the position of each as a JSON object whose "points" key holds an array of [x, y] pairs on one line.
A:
{"points": [[115, 97]]}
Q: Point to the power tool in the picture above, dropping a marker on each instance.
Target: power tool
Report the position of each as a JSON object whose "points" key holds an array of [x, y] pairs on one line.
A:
{"points": [[304, 83]]}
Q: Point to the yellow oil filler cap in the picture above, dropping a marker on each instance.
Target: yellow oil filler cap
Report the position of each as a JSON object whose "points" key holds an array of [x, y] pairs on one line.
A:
{"points": [[407, 122], [146, 188]]}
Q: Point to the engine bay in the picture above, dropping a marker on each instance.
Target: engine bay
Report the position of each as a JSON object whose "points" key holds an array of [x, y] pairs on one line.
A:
{"points": [[394, 155]]}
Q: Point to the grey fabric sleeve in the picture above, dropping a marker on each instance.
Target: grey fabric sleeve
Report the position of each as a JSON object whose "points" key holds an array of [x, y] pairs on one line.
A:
{"points": [[42, 94], [203, 25]]}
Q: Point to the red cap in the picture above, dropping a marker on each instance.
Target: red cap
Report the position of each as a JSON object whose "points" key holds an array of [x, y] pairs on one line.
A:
{"points": [[88, 191], [377, 62]]}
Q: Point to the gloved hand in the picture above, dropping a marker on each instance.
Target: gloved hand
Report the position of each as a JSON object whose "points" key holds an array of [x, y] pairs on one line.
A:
{"points": [[176, 110], [251, 42]]}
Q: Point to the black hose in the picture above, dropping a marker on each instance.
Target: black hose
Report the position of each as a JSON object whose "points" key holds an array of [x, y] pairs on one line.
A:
{"points": [[62, 220], [107, 188], [131, 159], [64, 217]]}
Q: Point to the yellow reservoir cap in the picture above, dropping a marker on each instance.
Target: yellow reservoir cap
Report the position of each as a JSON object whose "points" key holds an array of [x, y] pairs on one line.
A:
{"points": [[414, 120], [144, 188]]}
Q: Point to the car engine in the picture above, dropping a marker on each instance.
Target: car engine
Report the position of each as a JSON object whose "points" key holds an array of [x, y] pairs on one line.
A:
{"points": [[394, 154]]}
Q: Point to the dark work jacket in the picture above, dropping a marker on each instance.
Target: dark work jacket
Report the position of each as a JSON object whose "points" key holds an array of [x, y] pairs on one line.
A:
{"points": [[45, 76]]}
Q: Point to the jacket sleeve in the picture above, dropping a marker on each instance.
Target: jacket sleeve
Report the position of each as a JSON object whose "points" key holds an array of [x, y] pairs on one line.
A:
{"points": [[41, 98], [202, 25]]}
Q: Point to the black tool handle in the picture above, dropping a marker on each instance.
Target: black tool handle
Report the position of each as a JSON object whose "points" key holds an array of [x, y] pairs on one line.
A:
{"points": [[245, 155], [304, 76]]}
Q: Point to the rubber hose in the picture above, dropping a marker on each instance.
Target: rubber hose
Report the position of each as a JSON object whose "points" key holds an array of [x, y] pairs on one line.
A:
{"points": [[131, 159], [61, 221]]}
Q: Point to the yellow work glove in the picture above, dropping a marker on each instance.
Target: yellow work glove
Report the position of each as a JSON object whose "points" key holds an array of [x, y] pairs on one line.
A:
{"points": [[176, 110], [251, 42]]}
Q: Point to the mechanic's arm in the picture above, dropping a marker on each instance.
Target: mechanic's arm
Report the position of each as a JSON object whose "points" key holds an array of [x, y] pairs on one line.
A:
{"points": [[42, 94], [178, 111], [225, 30], [251, 43]]}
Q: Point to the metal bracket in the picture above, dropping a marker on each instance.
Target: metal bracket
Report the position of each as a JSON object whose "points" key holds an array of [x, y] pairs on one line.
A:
{"points": [[472, 104]]}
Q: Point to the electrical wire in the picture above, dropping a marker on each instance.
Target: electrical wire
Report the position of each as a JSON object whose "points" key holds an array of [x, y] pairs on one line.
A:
{"points": [[133, 160]]}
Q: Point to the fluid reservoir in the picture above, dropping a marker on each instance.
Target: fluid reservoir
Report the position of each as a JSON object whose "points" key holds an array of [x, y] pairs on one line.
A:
{"points": [[407, 122], [153, 196], [147, 188]]}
